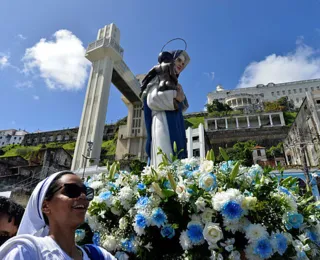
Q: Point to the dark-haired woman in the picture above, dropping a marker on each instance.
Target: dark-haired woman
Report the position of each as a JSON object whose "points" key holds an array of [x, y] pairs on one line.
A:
{"points": [[55, 209]]}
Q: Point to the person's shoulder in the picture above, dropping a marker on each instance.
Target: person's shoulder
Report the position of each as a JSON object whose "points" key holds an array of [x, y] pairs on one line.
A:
{"points": [[106, 254], [19, 252]]}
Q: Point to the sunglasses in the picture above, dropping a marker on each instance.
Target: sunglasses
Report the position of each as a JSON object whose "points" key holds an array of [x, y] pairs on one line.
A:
{"points": [[72, 191]]}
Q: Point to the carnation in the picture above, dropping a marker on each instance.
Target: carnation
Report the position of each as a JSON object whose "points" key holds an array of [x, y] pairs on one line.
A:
{"points": [[255, 232], [109, 243]]}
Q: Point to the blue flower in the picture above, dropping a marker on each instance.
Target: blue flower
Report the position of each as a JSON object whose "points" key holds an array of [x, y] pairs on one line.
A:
{"points": [[158, 217], [226, 166], [96, 239], [232, 210], [121, 255], [142, 202], [141, 220], [79, 235], [167, 231], [141, 186], [128, 246], [293, 220], [188, 167], [105, 195], [195, 232], [208, 181], [313, 237], [280, 243], [112, 185], [302, 255], [263, 248], [167, 185], [284, 190], [188, 174]]}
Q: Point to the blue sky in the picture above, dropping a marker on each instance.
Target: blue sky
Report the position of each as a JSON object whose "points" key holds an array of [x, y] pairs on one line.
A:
{"points": [[233, 43]]}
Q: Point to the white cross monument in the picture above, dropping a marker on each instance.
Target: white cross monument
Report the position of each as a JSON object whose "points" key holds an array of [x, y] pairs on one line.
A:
{"points": [[108, 66]]}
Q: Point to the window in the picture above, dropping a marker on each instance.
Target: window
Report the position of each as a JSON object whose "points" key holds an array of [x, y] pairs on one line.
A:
{"points": [[0, 137], [318, 87], [283, 92], [318, 101], [289, 91], [306, 89], [312, 88], [295, 91], [278, 93], [272, 93], [258, 152], [15, 138], [300, 90], [195, 138], [297, 99]]}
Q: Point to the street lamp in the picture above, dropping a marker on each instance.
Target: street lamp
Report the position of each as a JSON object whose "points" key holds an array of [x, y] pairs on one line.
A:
{"points": [[86, 157]]}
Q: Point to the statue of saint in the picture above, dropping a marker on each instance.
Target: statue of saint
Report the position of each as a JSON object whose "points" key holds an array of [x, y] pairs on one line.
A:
{"points": [[164, 102]]}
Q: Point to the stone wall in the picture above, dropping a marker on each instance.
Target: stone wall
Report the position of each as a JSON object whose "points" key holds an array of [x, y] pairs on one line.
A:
{"points": [[266, 137]]}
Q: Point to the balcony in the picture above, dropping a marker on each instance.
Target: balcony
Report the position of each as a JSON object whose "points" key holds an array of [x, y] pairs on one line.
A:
{"points": [[104, 47]]}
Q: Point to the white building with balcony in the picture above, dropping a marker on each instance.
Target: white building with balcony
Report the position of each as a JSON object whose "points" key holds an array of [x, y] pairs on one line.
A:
{"points": [[11, 136], [242, 97]]}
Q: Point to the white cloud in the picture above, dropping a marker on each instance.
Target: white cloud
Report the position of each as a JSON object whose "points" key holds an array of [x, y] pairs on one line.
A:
{"points": [[210, 75], [36, 97], [302, 64], [21, 37], [23, 85], [4, 60], [60, 62]]}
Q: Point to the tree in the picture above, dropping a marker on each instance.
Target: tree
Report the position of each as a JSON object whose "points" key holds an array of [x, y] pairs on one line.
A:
{"points": [[217, 106], [282, 104], [275, 151]]}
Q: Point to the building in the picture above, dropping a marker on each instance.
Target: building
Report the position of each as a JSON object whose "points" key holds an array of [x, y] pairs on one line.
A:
{"points": [[255, 96], [259, 154], [302, 143], [11, 136], [64, 136]]}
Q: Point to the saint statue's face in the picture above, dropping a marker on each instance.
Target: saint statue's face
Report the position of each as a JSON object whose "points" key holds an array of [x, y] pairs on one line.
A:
{"points": [[179, 64]]}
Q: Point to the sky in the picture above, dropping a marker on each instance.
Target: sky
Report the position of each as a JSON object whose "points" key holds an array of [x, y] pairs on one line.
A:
{"points": [[43, 72]]}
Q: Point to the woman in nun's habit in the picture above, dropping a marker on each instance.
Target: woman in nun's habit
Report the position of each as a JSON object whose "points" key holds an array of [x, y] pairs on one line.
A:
{"points": [[56, 208], [164, 102]]}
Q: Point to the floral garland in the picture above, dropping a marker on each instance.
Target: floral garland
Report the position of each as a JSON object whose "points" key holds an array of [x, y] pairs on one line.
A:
{"points": [[196, 209]]}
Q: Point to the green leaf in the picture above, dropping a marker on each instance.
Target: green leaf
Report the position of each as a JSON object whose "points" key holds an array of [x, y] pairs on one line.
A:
{"points": [[208, 156], [168, 193], [235, 171], [112, 170], [223, 154], [212, 157], [175, 148]]}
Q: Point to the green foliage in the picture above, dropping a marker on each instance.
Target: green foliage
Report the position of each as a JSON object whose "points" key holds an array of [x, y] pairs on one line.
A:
{"points": [[241, 151], [18, 150], [217, 106], [224, 113], [109, 147], [289, 117], [275, 151], [194, 122], [282, 104]]}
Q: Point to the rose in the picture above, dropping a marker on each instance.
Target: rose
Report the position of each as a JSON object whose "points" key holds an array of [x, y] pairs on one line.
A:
{"points": [[208, 181], [123, 223], [249, 203], [206, 166], [109, 243], [212, 233]]}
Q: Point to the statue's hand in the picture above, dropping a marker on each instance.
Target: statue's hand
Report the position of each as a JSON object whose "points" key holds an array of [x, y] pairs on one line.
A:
{"points": [[180, 94]]}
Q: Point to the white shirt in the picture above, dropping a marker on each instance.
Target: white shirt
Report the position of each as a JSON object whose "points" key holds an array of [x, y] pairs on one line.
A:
{"points": [[49, 249]]}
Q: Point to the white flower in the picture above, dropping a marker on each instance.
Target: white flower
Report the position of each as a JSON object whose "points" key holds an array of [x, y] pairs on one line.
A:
{"points": [[96, 185], [215, 256], [299, 246], [115, 211], [248, 203], [235, 255], [255, 232], [121, 256], [109, 242], [201, 204], [207, 215], [219, 199], [148, 246], [206, 166], [185, 241], [140, 231], [212, 233], [93, 222], [123, 223], [232, 226]]}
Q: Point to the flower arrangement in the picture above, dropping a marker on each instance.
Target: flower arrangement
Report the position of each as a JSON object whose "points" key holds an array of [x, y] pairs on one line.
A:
{"points": [[196, 209]]}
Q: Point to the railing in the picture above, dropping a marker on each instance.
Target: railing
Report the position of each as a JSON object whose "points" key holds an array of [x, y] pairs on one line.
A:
{"points": [[105, 42]]}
